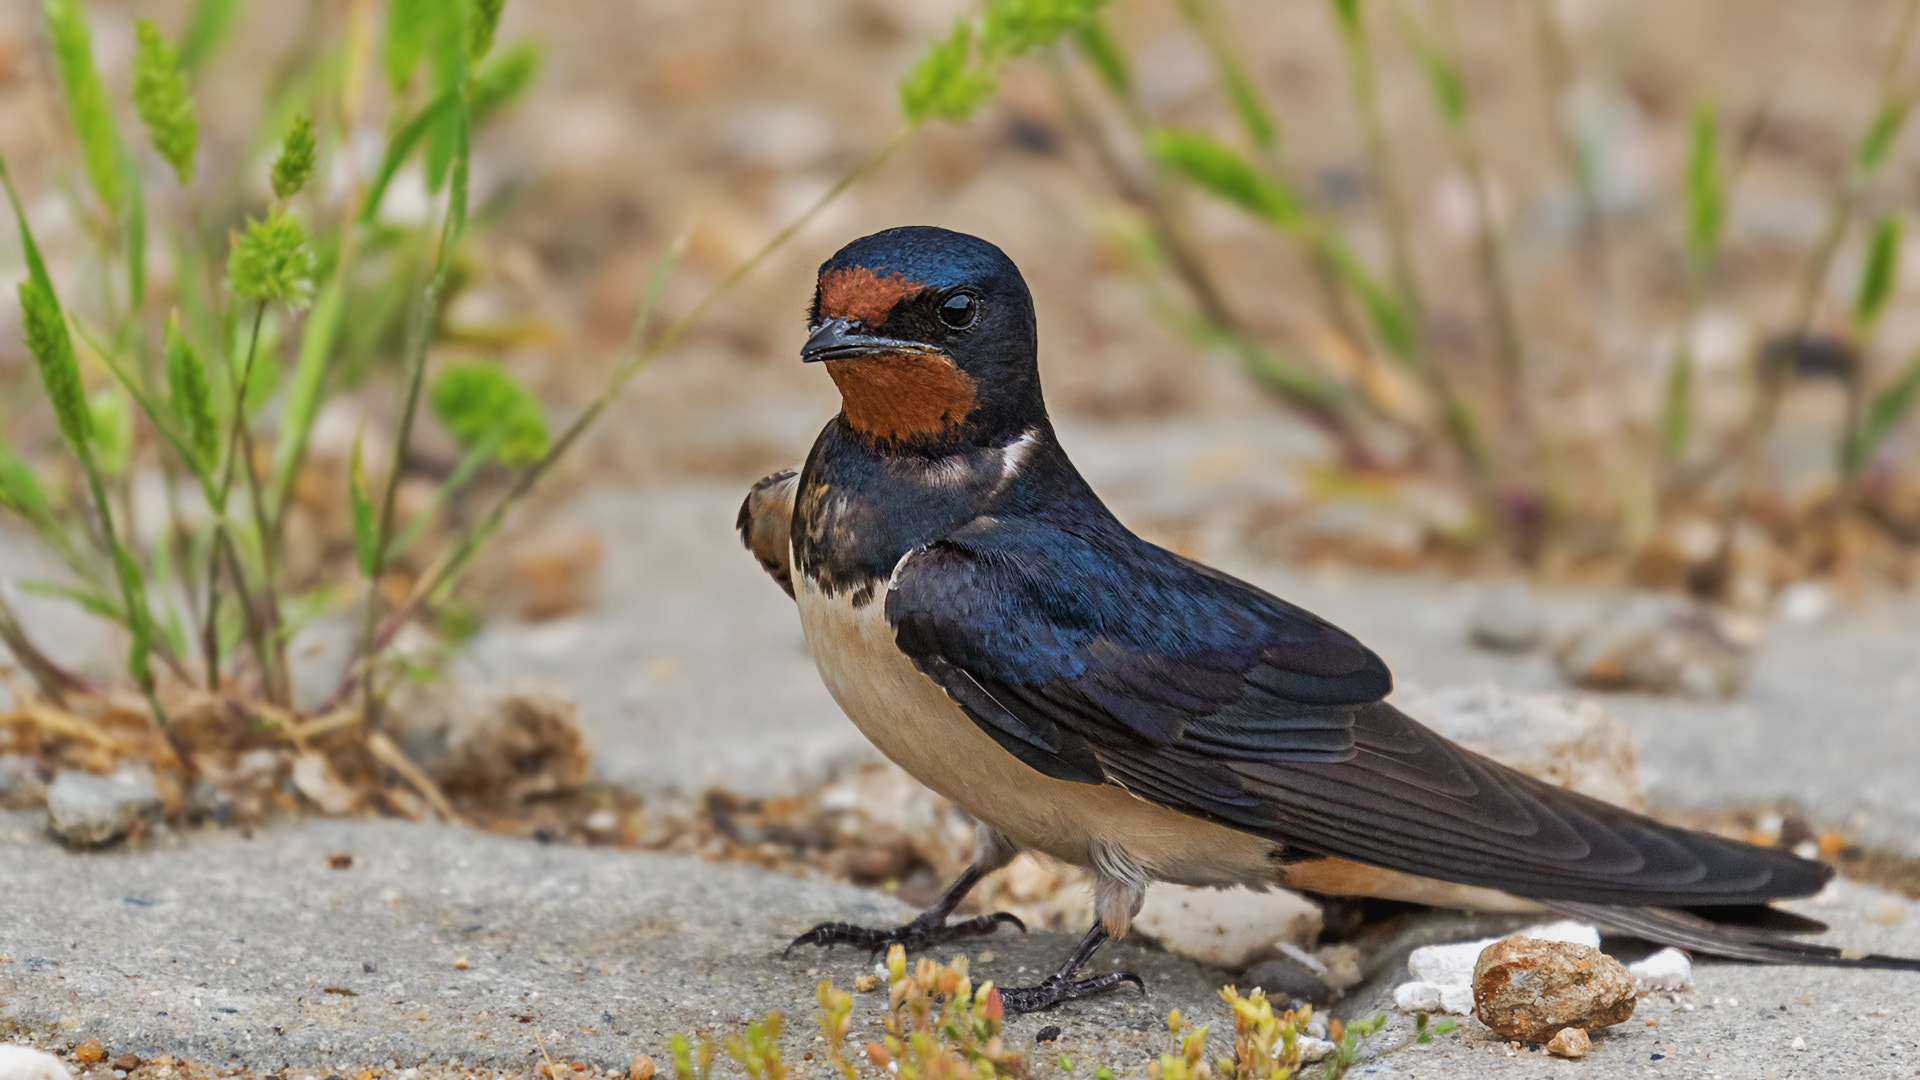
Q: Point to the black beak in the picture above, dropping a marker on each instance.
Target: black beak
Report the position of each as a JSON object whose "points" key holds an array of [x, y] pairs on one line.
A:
{"points": [[838, 339]]}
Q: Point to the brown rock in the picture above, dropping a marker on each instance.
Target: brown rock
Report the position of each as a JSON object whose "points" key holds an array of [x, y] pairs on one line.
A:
{"points": [[1570, 1043], [89, 1052], [1528, 989], [127, 1062], [642, 1068]]}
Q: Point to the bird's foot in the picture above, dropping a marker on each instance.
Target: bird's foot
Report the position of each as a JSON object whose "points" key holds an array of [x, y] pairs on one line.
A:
{"points": [[924, 932], [1063, 987]]}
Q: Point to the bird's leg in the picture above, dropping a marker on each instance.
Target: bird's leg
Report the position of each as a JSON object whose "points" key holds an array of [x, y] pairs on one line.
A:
{"points": [[930, 928], [1062, 986]]}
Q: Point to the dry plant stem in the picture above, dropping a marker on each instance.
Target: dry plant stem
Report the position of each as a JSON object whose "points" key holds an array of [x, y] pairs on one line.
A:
{"points": [[1151, 195], [387, 753], [418, 336], [53, 680], [1456, 416], [1393, 206], [1488, 249], [273, 664], [222, 544], [637, 354], [1556, 57]]}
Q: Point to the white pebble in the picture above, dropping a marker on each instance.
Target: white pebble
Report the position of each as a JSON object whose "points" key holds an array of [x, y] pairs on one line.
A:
{"points": [[1668, 969], [1312, 1049], [25, 1063], [1417, 996], [1798, 1043]]}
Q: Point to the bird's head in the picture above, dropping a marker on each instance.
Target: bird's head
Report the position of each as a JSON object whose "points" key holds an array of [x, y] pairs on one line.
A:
{"points": [[929, 335]]}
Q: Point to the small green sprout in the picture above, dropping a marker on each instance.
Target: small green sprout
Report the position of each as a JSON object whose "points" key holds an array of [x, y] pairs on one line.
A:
{"points": [[45, 330], [272, 261], [294, 167], [160, 98], [192, 399], [486, 411]]}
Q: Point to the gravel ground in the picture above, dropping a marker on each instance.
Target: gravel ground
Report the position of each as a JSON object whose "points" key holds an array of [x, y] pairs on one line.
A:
{"points": [[254, 952]]}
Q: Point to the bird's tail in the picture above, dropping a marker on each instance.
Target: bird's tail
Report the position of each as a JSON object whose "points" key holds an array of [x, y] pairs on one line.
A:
{"points": [[1738, 935]]}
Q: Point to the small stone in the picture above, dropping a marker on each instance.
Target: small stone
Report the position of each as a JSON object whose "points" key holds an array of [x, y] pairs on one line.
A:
{"points": [[340, 860], [460, 964], [1229, 928], [89, 1052], [1289, 977], [1528, 989], [127, 1062], [1312, 1049], [866, 983], [1668, 969], [1570, 1043], [643, 1068], [1050, 1033], [1661, 645], [1508, 619], [25, 1063], [84, 810], [1798, 1043], [500, 745]]}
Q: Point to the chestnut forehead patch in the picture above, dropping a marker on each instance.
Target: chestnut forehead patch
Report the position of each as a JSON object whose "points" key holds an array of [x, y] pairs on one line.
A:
{"points": [[859, 295]]}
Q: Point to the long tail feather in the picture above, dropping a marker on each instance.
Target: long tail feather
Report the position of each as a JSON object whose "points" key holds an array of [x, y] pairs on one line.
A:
{"points": [[1733, 941]]}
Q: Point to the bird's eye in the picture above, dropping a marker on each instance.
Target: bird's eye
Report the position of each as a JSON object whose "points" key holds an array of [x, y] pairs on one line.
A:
{"points": [[960, 311]]}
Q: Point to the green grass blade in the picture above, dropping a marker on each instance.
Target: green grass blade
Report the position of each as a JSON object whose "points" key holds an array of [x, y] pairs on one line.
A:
{"points": [[401, 148], [208, 25], [1222, 171], [87, 600], [364, 538], [1705, 198], [21, 492], [136, 216], [306, 392], [86, 97], [1886, 412], [1106, 57], [1676, 409], [503, 79], [1246, 100], [1881, 135], [1878, 277]]}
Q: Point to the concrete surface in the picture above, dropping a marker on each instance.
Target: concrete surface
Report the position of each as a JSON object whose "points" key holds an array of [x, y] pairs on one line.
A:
{"points": [[254, 952], [1739, 1022]]}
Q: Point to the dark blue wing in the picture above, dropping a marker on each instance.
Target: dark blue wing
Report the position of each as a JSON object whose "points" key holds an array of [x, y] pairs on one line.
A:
{"points": [[1057, 643], [1098, 658]]}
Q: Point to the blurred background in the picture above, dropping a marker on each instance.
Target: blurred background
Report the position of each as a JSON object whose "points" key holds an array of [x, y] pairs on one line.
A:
{"points": [[1547, 343]]}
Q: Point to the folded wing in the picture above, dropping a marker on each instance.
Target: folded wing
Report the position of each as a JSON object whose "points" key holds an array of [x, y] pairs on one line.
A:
{"points": [[1102, 659]]}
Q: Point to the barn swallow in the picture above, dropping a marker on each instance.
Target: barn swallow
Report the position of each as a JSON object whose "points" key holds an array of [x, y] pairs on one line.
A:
{"points": [[989, 624]]}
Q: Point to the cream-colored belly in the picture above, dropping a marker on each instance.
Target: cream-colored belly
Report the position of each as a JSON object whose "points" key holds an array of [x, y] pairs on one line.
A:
{"points": [[911, 720]]}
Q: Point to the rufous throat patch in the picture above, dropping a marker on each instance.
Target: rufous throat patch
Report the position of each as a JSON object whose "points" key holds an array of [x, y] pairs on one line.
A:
{"points": [[858, 295], [902, 395]]}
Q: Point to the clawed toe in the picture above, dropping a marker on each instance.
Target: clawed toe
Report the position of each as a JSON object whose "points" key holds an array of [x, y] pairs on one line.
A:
{"points": [[921, 933], [1028, 999]]}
